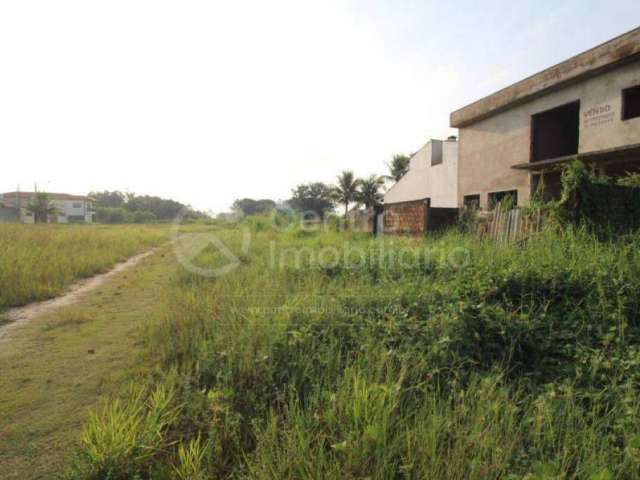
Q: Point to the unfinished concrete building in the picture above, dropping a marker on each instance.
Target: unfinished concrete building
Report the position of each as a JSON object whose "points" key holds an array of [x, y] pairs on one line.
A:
{"points": [[424, 199], [586, 107]]}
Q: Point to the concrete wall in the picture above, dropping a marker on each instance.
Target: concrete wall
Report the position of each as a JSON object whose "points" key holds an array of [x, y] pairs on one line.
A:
{"points": [[26, 216], [594, 61], [423, 180], [69, 208], [491, 146]]}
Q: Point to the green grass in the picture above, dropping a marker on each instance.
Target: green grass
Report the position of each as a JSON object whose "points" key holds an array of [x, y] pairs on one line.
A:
{"points": [[398, 360], [58, 368], [40, 261]]}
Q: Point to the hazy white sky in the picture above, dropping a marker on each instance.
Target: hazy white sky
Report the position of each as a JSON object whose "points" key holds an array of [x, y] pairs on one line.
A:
{"points": [[209, 101]]}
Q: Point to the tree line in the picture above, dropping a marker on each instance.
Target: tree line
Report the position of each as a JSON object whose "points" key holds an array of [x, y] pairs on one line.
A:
{"points": [[120, 207], [113, 206], [321, 198]]}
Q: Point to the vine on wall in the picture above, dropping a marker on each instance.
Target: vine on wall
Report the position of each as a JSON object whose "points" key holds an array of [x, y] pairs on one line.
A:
{"points": [[600, 203]]}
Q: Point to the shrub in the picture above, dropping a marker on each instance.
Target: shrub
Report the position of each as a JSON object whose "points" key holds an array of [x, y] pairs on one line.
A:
{"points": [[144, 217], [113, 215], [121, 441], [595, 201]]}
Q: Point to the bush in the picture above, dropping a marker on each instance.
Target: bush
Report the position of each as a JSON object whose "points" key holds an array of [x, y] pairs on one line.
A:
{"points": [[113, 215], [144, 217], [596, 202]]}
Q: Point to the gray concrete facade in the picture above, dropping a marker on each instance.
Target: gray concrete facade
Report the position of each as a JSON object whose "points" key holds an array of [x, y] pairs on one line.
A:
{"points": [[496, 133]]}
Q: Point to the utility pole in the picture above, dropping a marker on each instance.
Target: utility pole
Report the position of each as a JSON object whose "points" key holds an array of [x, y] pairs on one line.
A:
{"points": [[18, 203]]}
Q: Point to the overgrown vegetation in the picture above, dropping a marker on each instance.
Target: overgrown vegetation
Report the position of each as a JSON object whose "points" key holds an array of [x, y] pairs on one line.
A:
{"points": [[38, 262], [116, 207], [604, 205], [450, 358]]}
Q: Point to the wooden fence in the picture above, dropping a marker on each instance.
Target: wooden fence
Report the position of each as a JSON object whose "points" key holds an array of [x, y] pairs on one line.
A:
{"points": [[510, 225]]}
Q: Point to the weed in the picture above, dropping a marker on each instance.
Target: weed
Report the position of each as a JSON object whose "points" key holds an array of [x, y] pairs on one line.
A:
{"points": [[520, 363]]}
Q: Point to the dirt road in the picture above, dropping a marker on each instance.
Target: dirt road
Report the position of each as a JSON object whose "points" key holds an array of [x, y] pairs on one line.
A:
{"points": [[22, 315]]}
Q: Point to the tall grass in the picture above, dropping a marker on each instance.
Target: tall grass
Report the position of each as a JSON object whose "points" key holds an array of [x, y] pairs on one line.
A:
{"points": [[121, 441], [519, 362], [39, 261]]}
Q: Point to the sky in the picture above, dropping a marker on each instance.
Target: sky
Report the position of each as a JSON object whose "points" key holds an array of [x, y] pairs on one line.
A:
{"points": [[205, 102]]}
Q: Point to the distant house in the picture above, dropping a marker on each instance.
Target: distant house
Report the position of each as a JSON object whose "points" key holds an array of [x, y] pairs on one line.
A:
{"points": [[426, 197], [70, 208], [515, 140]]}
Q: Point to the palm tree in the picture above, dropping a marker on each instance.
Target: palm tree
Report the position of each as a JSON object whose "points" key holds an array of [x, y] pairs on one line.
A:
{"points": [[347, 190], [398, 167], [369, 193], [41, 207]]}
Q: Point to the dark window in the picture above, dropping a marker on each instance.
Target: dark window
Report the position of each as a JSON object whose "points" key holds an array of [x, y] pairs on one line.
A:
{"points": [[471, 201], [436, 153], [554, 133], [631, 103], [508, 196]]}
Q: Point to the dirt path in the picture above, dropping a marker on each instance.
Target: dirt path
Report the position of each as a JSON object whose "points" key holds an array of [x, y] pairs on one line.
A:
{"points": [[22, 315], [58, 368]]}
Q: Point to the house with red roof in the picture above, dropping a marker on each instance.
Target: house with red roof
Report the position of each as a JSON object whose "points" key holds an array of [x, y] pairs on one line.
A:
{"points": [[69, 208]]}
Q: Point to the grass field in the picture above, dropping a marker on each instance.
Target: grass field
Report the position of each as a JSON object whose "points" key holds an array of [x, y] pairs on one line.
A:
{"points": [[40, 261], [56, 369], [331, 355]]}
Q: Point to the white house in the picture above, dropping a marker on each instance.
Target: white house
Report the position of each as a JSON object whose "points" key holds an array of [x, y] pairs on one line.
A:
{"points": [[70, 208], [429, 187]]}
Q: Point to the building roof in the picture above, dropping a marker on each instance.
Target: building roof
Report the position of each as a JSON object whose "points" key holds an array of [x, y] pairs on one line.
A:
{"points": [[52, 196], [604, 57]]}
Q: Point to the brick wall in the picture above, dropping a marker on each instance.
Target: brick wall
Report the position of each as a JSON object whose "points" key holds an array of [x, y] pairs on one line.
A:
{"points": [[417, 218], [407, 217]]}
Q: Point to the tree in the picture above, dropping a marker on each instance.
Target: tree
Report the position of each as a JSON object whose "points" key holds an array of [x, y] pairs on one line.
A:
{"points": [[249, 206], [346, 191], [108, 199], [369, 193], [119, 207], [163, 209], [398, 167], [312, 197], [41, 207]]}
